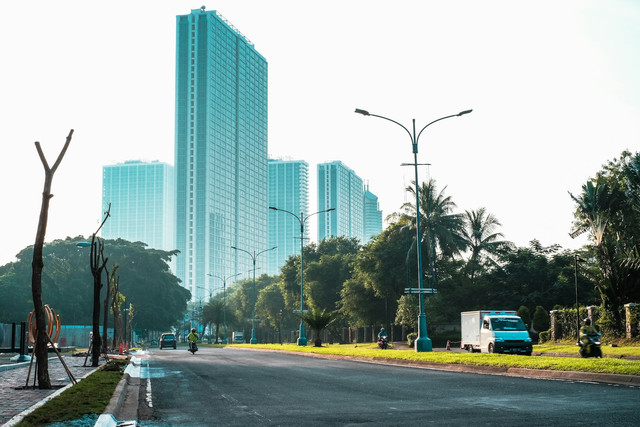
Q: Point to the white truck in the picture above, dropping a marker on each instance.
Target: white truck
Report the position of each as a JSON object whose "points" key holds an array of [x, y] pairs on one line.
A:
{"points": [[494, 331], [238, 337]]}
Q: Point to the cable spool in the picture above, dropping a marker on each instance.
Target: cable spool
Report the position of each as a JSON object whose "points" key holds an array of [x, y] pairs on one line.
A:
{"points": [[52, 322]]}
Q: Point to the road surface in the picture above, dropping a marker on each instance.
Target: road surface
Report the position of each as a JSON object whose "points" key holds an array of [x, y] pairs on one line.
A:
{"points": [[225, 386]]}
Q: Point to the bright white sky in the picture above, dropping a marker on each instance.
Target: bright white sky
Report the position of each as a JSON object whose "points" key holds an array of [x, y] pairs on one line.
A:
{"points": [[555, 89]]}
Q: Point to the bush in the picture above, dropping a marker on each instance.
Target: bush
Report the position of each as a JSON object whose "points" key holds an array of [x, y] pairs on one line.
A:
{"points": [[411, 338], [525, 315], [544, 336], [541, 321]]}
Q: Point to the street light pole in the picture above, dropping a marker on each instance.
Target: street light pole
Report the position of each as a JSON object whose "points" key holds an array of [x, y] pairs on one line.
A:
{"points": [[423, 343], [224, 301], [302, 339], [253, 256]]}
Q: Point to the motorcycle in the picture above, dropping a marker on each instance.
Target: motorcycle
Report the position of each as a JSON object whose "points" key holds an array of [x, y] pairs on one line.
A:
{"points": [[592, 349], [383, 343], [193, 347]]}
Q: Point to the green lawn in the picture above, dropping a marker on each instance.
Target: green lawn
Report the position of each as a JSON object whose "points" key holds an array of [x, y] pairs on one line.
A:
{"points": [[604, 365]]}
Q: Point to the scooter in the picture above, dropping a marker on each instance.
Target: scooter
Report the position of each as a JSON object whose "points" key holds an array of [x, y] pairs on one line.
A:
{"points": [[193, 347], [383, 343], [593, 348]]}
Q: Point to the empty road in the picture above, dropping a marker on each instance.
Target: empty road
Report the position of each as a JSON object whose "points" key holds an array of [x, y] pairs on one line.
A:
{"points": [[224, 386]]}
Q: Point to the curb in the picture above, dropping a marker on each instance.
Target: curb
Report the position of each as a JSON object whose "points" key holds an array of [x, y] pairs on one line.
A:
{"points": [[129, 383]]}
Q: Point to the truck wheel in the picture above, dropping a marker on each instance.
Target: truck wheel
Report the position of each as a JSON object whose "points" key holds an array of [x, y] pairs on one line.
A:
{"points": [[490, 349]]}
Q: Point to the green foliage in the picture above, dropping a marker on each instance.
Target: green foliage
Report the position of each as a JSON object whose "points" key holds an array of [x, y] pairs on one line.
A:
{"points": [[67, 284], [318, 320], [544, 336], [525, 315], [411, 339], [541, 320]]}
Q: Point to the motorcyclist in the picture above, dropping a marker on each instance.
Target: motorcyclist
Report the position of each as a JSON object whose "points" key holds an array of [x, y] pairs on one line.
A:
{"points": [[192, 337], [382, 335], [587, 331]]}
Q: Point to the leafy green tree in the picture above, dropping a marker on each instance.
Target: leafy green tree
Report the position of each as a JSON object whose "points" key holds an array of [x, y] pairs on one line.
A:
{"points": [[525, 315], [359, 304], [408, 310]]}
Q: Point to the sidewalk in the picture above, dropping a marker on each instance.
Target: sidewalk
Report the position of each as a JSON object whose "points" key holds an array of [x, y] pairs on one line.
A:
{"points": [[15, 399]]}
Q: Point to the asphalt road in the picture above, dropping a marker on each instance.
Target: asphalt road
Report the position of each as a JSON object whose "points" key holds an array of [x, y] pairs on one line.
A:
{"points": [[224, 386]]}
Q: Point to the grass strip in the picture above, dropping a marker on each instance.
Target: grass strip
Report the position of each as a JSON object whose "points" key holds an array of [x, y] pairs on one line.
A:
{"points": [[604, 365], [88, 397]]}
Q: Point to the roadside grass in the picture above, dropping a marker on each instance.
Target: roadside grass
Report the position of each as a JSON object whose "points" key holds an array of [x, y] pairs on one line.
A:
{"points": [[621, 349], [88, 397], [604, 365]]}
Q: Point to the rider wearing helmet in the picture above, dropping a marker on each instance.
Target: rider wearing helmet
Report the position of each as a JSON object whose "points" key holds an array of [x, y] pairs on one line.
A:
{"points": [[193, 336], [382, 334], [586, 331]]}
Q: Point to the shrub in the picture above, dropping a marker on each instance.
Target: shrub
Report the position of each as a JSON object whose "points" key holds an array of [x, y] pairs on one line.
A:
{"points": [[411, 338], [544, 336], [541, 319], [525, 315]]}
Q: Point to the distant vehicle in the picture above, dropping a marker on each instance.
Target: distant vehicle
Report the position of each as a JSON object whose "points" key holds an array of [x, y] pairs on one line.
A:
{"points": [[167, 340], [494, 331], [154, 343], [238, 338]]}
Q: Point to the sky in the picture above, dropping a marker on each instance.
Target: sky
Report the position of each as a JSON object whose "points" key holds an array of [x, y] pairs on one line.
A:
{"points": [[554, 88]]}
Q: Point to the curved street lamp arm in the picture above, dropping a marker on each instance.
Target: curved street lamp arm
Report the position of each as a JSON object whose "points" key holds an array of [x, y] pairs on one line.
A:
{"points": [[442, 118], [319, 212], [366, 113], [265, 250], [253, 256], [284, 210]]}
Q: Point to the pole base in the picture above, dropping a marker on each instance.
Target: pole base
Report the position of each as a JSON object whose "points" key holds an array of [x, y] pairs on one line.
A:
{"points": [[423, 345], [302, 341], [253, 341]]}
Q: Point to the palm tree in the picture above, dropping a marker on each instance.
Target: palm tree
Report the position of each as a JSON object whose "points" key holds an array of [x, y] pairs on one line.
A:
{"points": [[481, 237], [318, 320], [441, 229]]}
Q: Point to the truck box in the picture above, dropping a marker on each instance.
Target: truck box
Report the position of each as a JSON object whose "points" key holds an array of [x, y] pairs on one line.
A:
{"points": [[238, 337], [494, 331]]}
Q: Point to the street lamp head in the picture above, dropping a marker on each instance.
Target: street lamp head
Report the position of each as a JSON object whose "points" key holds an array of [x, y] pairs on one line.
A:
{"points": [[331, 209], [462, 113], [363, 112], [233, 247], [273, 208]]}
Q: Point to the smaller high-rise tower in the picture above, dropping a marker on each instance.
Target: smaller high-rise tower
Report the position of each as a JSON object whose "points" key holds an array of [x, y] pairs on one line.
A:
{"points": [[340, 188], [142, 197], [372, 215], [289, 191]]}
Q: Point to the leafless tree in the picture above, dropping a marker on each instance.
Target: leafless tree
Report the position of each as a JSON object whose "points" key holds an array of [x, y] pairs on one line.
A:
{"points": [[98, 263], [41, 338]]}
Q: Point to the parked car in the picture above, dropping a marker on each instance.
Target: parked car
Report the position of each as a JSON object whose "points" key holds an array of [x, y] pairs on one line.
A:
{"points": [[167, 340]]}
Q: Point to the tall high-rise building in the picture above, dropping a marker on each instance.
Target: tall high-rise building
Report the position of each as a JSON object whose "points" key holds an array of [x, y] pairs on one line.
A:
{"points": [[372, 215], [220, 152], [288, 191], [340, 188], [142, 197]]}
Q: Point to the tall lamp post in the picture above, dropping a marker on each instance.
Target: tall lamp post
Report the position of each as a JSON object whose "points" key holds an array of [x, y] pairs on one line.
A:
{"points": [[224, 301], [302, 339], [253, 256], [423, 343]]}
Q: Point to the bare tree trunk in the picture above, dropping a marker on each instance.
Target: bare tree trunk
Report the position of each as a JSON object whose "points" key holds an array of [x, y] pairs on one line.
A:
{"points": [[97, 262], [40, 346]]}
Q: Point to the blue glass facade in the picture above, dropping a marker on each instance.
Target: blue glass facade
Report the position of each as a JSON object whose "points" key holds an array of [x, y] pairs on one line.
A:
{"points": [[142, 197], [340, 188], [220, 151], [288, 190], [372, 216]]}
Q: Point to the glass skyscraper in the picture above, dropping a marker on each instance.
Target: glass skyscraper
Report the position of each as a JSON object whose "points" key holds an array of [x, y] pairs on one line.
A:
{"points": [[289, 191], [340, 188], [372, 215], [220, 151], [142, 197]]}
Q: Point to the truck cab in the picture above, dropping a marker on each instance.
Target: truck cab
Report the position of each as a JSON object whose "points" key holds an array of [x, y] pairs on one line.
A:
{"points": [[494, 331]]}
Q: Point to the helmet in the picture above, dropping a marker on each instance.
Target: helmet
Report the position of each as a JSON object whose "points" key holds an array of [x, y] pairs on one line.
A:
{"points": [[587, 321], [382, 329], [193, 329]]}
